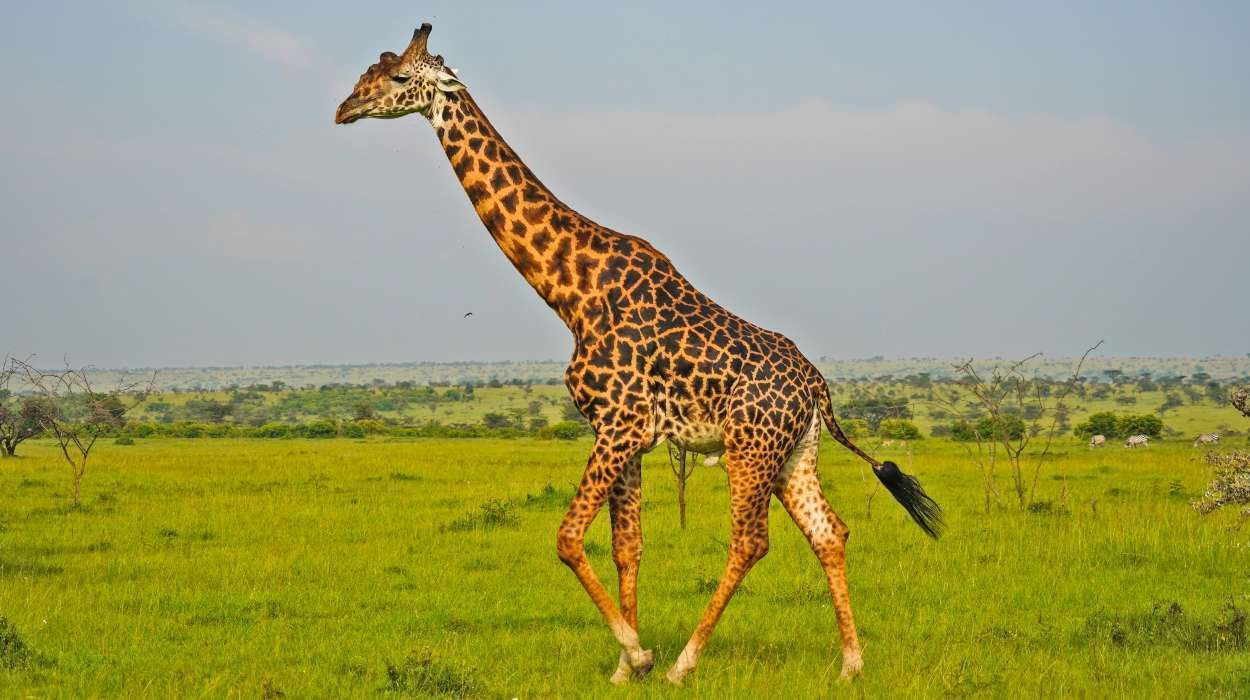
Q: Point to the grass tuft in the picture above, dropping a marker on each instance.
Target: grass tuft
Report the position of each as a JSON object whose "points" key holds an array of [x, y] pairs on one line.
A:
{"points": [[269, 691], [14, 652], [548, 498], [1167, 624], [494, 514], [1047, 508], [421, 675]]}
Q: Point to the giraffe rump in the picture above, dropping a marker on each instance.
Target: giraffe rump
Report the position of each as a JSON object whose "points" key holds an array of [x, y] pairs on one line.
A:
{"points": [[906, 490]]}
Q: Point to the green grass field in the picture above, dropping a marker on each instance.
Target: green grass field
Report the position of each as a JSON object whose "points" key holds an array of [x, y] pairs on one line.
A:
{"points": [[240, 568]]}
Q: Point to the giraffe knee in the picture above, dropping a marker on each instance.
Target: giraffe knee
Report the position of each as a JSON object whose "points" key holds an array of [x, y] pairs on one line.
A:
{"points": [[569, 546], [841, 530], [751, 550]]}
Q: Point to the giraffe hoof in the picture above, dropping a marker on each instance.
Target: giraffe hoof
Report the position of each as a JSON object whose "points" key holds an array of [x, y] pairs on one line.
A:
{"points": [[623, 675], [676, 677], [636, 670], [851, 668], [642, 665]]}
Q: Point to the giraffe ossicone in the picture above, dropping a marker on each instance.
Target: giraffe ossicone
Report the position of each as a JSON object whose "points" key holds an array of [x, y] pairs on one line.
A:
{"points": [[654, 359]]}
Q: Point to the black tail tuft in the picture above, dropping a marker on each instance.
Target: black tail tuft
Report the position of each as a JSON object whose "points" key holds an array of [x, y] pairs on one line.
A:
{"points": [[906, 490]]}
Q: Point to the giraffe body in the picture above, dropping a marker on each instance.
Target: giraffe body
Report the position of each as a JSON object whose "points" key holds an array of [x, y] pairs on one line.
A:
{"points": [[654, 359]]}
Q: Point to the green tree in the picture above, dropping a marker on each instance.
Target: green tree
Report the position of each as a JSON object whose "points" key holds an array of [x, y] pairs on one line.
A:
{"points": [[874, 409], [497, 420], [1105, 424], [363, 410], [1139, 424], [20, 420], [899, 429]]}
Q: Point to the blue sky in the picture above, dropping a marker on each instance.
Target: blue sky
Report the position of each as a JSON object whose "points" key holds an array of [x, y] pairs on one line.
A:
{"points": [[903, 179]]}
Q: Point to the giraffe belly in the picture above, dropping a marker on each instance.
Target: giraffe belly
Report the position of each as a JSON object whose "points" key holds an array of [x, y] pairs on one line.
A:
{"points": [[705, 438]]}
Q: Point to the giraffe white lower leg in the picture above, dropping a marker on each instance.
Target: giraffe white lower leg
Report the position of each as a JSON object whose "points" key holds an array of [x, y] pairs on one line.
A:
{"points": [[625, 501]]}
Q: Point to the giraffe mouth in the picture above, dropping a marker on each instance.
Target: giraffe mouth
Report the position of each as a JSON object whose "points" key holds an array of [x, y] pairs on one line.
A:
{"points": [[351, 110], [341, 117]]}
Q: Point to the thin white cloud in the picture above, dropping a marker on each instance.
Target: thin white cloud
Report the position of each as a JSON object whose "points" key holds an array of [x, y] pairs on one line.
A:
{"points": [[234, 28]]}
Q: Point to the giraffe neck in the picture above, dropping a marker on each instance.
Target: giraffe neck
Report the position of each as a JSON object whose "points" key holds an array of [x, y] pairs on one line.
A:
{"points": [[535, 230]]}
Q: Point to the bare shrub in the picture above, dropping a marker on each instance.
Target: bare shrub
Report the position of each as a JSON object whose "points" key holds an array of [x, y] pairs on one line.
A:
{"points": [[78, 414], [1018, 409]]}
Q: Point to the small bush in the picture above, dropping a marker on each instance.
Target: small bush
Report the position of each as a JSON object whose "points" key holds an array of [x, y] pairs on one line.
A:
{"points": [[855, 427], [124, 440], [492, 515], [988, 429], [421, 675], [1104, 424], [269, 691], [564, 430], [274, 430], [1231, 486], [353, 430], [14, 653], [317, 429], [1167, 625], [899, 429], [1140, 424], [548, 497], [373, 427], [1119, 426], [1047, 508]]}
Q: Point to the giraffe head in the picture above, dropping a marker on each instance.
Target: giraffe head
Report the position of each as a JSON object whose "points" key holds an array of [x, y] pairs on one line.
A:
{"points": [[399, 85]]}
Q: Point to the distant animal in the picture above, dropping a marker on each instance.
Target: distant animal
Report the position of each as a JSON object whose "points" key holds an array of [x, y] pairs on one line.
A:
{"points": [[1137, 441], [1098, 441], [1207, 439], [468, 314]]}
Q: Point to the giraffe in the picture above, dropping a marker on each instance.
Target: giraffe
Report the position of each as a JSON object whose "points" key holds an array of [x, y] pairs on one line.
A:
{"points": [[654, 359]]}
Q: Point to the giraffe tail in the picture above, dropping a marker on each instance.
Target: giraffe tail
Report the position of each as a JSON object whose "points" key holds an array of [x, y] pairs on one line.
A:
{"points": [[904, 487]]}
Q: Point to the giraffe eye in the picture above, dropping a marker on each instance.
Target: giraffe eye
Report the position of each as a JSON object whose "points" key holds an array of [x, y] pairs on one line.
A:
{"points": [[401, 79]]}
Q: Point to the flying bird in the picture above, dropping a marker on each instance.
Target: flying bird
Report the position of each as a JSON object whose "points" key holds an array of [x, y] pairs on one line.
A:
{"points": [[468, 314]]}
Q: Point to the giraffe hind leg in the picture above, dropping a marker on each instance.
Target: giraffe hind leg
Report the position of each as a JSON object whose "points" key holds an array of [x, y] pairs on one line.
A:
{"points": [[800, 492]]}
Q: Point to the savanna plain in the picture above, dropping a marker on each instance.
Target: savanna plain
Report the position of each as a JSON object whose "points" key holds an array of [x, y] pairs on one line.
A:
{"points": [[423, 567]]}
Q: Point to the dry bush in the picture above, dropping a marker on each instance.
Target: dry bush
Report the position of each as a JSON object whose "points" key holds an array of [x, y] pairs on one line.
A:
{"points": [[1231, 486]]}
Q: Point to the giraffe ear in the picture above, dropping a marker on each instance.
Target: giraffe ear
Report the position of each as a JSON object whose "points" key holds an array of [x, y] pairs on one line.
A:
{"points": [[447, 80]]}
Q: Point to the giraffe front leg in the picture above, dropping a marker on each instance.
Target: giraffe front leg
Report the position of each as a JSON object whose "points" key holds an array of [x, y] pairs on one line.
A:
{"points": [[625, 506], [607, 462]]}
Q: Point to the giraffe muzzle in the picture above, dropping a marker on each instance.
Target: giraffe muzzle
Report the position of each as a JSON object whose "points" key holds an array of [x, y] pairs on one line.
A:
{"points": [[351, 110]]}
